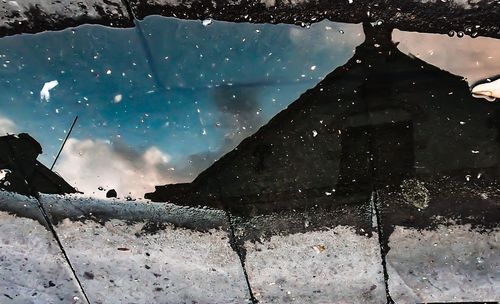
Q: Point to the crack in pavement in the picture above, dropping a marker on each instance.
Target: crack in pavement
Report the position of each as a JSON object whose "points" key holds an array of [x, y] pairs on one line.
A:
{"points": [[383, 247], [60, 245], [241, 255]]}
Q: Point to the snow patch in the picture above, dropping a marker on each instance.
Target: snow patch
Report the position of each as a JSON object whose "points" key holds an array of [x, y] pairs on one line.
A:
{"points": [[32, 269], [119, 263], [333, 266], [452, 263]]}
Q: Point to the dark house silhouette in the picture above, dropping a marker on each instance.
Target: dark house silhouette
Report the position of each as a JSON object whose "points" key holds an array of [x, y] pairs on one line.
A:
{"points": [[381, 118], [23, 173]]}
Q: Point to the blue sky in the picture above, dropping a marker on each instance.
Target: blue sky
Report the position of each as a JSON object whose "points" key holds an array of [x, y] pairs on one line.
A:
{"points": [[184, 90]]}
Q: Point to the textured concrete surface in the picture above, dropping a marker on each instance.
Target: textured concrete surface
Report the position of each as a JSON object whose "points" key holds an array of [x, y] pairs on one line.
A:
{"points": [[32, 268], [317, 256], [293, 257], [331, 266], [470, 17], [443, 239], [450, 264], [78, 207], [121, 263], [151, 260]]}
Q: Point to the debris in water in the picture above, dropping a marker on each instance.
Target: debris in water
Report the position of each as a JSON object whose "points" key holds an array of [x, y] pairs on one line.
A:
{"points": [[415, 193], [3, 173], [118, 98], [44, 93], [207, 22], [319, 248], [111, 193]]}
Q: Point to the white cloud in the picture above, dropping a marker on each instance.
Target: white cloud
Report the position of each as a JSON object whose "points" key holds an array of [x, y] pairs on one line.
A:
{"points": [[7, 126], [472, 58], [90, 164]]}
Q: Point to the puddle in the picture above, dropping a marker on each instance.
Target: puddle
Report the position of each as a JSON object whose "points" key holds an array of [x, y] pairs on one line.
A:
{"points": [[160, 103]]}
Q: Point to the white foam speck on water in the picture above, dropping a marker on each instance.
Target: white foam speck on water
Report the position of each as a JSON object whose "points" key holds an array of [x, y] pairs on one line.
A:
{"points": [[206, 22], [3, 174], [118, 98]]}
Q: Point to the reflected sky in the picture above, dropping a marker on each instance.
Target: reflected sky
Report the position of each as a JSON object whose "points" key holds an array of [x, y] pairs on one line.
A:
{"points": [[159, 103], [160, 109]]}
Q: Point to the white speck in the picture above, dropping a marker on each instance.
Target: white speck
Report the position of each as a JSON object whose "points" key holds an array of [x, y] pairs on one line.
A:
{"points": [[462, 122], [3, 173], [108, 72], [7, 183], [118, 98], [315, 133], [313, 68], [204, 132], [350, 1], [207, 22], [44, 93], [467, 177], [475, 151], [328, 193]]}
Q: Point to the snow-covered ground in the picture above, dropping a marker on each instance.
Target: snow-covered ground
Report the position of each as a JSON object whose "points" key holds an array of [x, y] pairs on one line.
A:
{"points": [[121, 260], [32, 268], [332, 266], [450, 264], [120, 263]]}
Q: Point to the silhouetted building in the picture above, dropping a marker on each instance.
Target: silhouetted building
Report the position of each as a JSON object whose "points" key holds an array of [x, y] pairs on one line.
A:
{"points": [[22, 173], [381, 118]]}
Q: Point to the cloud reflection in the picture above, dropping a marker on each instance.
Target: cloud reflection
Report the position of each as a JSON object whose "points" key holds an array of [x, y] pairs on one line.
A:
{"points": [[93, 164], [7, 126], [472, 58]]}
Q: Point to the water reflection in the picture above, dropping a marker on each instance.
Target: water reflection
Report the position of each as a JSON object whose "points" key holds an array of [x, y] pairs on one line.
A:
{"points": [[383, 119], [162, 114], [216, 85], [474, 59]]}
